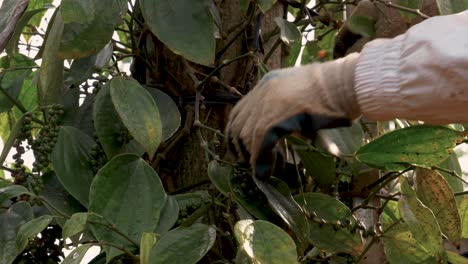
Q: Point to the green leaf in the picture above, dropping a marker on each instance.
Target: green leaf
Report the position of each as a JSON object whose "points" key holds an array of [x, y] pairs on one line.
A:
{"points": [[10, 220], [283, 204], [51, 71], [30, 230], [71, 161], [401, 247], [244, 5], [148, 240], [421, 145], [320, 166], [464, 217], [341, 142], [185, 26], [447, 7], [15, 132], [452, 164], [246, 193], [170, 120], [11, 81], [77, 254], [12, 47], [88, 25], [11, 11], [76, 224], [420, 220], [361, 25], [124, 182], [11, 191], [108, 125], [454, 258], [169, 215], [434, 192], [265, 242], [184, 245], [413, 4], [194, 199], [288, 31], [220, 175], [265, 5], [58, 198], [325, 236], [293, 54], [82, 69], [138, 112]]}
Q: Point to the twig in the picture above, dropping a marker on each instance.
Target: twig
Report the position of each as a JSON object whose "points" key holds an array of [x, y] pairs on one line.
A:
{"points": [[222, 65], [371, 243], [272, 50], [452, 173], [106, 243], [461, 193]]}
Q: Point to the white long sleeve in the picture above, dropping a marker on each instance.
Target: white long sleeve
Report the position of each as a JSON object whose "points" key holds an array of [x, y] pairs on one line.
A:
{"points": [[420, 75]]}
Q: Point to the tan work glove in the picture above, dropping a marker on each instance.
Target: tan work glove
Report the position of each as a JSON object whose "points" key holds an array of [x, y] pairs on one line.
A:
{"points": [[302, 99]]}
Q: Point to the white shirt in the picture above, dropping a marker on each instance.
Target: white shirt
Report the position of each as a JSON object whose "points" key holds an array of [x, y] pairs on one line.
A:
{"points": [[420, 75]]}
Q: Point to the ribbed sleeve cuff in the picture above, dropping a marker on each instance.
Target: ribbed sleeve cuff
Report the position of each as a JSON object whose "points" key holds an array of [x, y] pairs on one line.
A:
{"points": [[377, 83]]}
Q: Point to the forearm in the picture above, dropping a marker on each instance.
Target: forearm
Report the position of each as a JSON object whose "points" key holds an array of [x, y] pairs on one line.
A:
{"points": [[420, 75]]}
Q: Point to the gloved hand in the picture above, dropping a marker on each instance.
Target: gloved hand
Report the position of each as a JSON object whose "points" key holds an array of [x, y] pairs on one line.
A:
{"points": [[302, 99]]}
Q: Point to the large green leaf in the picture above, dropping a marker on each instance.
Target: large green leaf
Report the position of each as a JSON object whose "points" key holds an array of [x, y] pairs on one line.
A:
{"points": [[12, 47], [128, 193], [283, 204], [185, 26], [71, 161], [11, 191], [88, 25], [220, 175], [320, 166], [327, 237], [51, 72], [288, 31], [422, 145], [401, 247], [464, 217], [420, 220], [30, 230], [148, 240], [76, 224], [362, 25], [58, 198], [434, 192], [169, 215], [343, 141], [453, 164], [77, 254], [412, 4], [11, 11], [447, 7], [138, 111], [82, 69], [265, 243], [10, 221], [14, 133], [265, 5], [170, 120], [107, 123], [19, 68], [184, 245]]}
